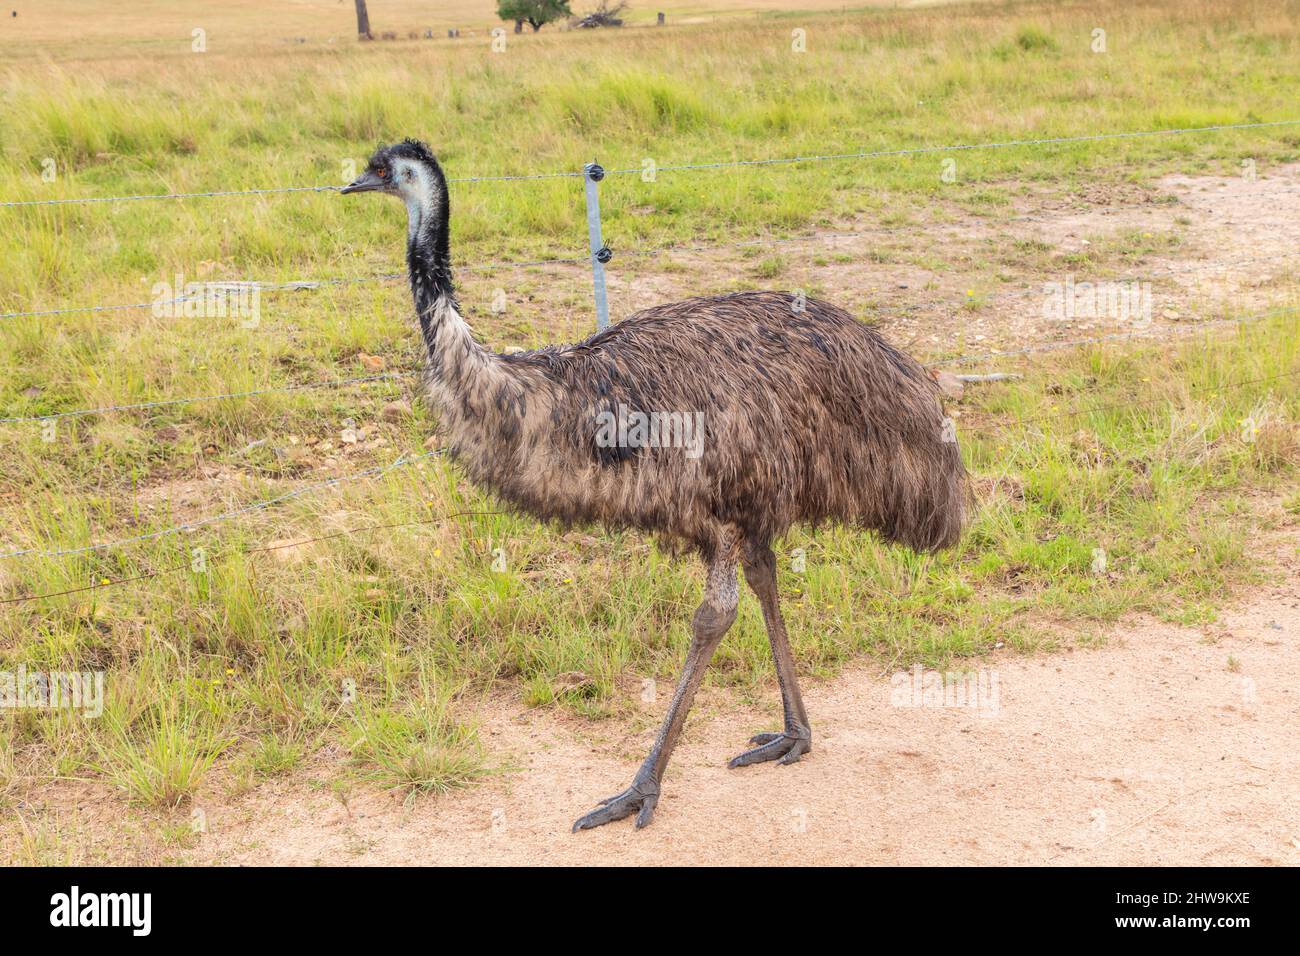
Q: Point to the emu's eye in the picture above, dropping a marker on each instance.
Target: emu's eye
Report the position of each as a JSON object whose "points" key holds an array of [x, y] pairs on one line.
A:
{"points": [[382, 172]]}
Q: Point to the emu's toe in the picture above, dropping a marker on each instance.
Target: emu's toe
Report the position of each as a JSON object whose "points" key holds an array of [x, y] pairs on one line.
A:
{"points": [[786, 747], [640, 798]]}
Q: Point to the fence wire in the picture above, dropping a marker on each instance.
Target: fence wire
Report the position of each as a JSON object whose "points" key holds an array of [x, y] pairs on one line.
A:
{"points": [[225, 515], [187, 565], [990, 427], [957, 147], [298, 285], [407, 460], [1172, 331], [1153, 332], [217, 288]]}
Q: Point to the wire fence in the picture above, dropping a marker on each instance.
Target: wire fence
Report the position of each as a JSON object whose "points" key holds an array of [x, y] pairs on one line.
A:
{"points": [[957, 359], [269, 191], [962, 147], [1115, 406], [224, 515], [405, 460], [378, 471], [216, 289], [193, 399], [988, 428], [189, 564], [298, 285], [593, 173], [1173, 331], [1154, 332]]}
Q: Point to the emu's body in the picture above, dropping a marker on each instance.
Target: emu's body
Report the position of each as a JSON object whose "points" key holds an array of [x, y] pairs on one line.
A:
{"points": [[808, 416]]}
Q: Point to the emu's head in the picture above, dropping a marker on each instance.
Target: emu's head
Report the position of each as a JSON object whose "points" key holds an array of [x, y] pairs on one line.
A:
{"points": [[408, 171]]}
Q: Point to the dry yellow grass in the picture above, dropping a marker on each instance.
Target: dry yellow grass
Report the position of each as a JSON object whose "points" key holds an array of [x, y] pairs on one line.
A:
{"points": [[71, 28]]}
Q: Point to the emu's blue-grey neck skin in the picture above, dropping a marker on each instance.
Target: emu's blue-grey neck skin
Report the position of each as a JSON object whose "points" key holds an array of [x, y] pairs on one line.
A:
{"points": [[428, 254], [420, 196]]}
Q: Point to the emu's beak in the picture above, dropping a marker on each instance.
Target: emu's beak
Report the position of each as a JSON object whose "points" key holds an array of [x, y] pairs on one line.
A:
{"points": [[366, 182]]}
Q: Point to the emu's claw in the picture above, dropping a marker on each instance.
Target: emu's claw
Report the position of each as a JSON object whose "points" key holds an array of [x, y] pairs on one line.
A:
{"points": [[640, 798], [784, 748]]}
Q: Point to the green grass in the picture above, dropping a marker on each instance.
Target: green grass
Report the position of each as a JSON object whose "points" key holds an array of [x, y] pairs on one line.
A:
{"points": [[376, 644], [423, 749], [160, 759], [257, 651]]}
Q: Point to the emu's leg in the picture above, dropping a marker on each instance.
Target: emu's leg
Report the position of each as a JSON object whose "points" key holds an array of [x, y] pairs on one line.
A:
{"points": [[795, 739], [712, 618]]}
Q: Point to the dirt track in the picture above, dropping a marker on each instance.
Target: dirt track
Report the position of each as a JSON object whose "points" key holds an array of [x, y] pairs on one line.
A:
{"points": [[1168, 745]]}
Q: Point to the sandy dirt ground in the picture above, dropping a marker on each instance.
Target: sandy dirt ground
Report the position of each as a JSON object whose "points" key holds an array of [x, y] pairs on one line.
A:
{"points": [[1165, 745], [1235, 254]]}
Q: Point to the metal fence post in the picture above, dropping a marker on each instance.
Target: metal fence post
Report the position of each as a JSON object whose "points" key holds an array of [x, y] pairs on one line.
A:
{"points": [[593, 173]]}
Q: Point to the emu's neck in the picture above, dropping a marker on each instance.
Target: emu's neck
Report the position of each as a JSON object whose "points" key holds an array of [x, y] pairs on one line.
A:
{"points": [[428, 262], [463, 377]]}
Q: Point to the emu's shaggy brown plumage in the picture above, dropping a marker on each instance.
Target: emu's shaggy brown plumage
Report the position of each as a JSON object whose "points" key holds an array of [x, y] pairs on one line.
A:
{"points": [[806, 416], [809, 416]]}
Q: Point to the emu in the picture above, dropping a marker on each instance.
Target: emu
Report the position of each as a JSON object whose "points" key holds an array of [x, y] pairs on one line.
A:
{"points": [[809, 416]]}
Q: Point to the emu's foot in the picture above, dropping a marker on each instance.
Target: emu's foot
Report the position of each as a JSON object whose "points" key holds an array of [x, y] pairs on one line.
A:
{"points": [[640, 798], [785, 747]]}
